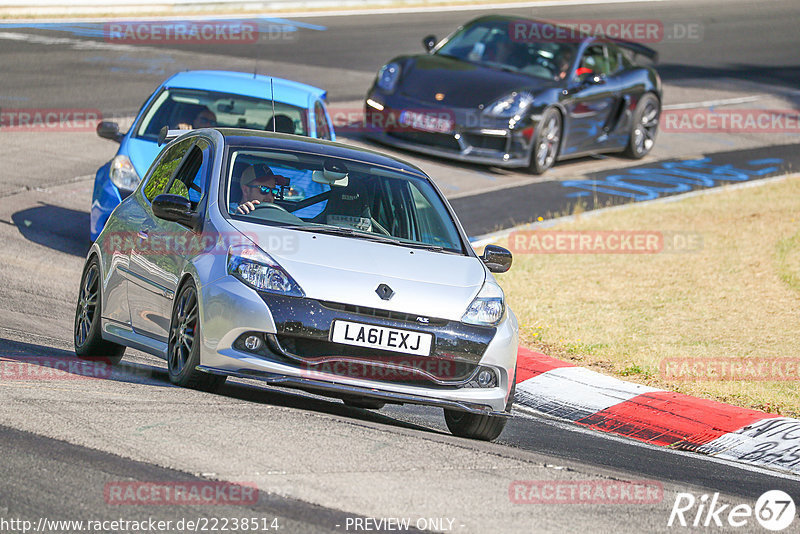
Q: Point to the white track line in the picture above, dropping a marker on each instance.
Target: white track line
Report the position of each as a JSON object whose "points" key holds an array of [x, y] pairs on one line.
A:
{"points": [[317, 12], [486, 239], [713, 103]]}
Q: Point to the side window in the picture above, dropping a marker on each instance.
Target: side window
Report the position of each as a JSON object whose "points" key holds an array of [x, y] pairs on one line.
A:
{"points": [[196, 186], [166, 168], [323, 131], [430, 227], [612, 57], [189, 181], [593, 61]]}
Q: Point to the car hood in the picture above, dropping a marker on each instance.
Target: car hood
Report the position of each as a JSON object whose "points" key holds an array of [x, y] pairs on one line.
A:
{"points": [[142, 153], [464, 84], [349, 270]]}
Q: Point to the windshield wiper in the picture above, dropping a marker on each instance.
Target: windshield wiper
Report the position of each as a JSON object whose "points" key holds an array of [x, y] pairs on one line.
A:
{"points": [[351, 232], [333, 230]]}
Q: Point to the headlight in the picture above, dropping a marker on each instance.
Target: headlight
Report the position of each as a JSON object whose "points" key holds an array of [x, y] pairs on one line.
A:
{"points": [[258, 270], [388, 76], [487, 308], [122, 173], [510, 106]]}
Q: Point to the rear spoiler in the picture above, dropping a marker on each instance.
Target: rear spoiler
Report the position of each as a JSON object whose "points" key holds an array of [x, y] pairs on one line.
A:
{"points": [[638, 49]]}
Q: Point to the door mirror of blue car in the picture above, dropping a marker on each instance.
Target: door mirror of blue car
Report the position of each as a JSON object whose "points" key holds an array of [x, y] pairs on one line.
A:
{"points": [[109, 130], [497, 259], [174, 208], [429, 42]]}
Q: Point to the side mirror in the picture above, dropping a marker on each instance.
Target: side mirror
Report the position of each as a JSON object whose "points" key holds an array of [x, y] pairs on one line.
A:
{"points": [[429, 42], [174, 208], [109, 130], [497, 259]]}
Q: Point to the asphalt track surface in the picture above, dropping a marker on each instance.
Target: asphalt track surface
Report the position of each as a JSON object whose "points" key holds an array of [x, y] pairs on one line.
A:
{"points": [[350, 472]]}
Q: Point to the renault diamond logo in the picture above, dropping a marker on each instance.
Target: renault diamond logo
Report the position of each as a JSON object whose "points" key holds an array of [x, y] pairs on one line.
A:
{"points": [[385, 292]]}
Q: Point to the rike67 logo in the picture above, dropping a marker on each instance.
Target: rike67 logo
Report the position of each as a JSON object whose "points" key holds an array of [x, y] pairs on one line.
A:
{"points": [[774, 510]]}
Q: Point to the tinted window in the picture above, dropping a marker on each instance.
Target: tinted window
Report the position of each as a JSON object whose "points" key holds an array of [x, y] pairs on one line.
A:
{"points": [[349, 197], [491, 43], [613, 55], [320, 117], [189, 109], [594, 61], [190, 178], [165, 168]]}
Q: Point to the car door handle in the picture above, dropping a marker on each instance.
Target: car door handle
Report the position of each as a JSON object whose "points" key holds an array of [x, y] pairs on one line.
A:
{"points": [[144, 233]]}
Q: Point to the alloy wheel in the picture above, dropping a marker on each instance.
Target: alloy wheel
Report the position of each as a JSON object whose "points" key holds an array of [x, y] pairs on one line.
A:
{"points": [[182, 331], [87, 305]]}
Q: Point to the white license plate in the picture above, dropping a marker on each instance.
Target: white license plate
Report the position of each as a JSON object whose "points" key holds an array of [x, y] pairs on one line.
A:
{"points": [[380, 337], [426, 122]]}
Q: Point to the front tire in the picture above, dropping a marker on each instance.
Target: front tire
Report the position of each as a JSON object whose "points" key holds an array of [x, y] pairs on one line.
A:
{"points": [[547, 142], [644, 128], [87, 337], [474, 426], [183, 349]]}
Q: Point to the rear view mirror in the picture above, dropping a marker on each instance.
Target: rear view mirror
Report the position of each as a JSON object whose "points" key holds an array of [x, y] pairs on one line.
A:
{"points": [[109, 130], [429, 42], [230, 107], [497, 259], [333, 173]]}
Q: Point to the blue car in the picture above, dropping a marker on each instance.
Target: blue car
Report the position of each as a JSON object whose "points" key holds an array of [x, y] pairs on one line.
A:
{"points": [[200, 99]]}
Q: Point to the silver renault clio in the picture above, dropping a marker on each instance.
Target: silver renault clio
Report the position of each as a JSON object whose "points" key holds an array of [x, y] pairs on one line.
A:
{"points": [[306, 264]]}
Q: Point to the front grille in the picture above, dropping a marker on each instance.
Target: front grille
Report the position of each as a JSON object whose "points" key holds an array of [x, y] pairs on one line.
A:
{"points": [[366, 311], [303, 329], [427, 138], [322, 356]]}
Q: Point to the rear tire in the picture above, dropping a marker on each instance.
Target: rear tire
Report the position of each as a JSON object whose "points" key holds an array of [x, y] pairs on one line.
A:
{"points": [[474, 426], [86, 332], [183, 348], [644, 127], [547, 142]]}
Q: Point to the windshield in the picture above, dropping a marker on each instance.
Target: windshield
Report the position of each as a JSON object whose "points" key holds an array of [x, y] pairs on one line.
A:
{"points": [[492, 44], [191, 108], [345, 197]]}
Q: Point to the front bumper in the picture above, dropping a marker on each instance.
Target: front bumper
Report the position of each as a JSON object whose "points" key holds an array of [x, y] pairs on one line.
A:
{"points": [[475, 138], [339, 390], [229, 310]]}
